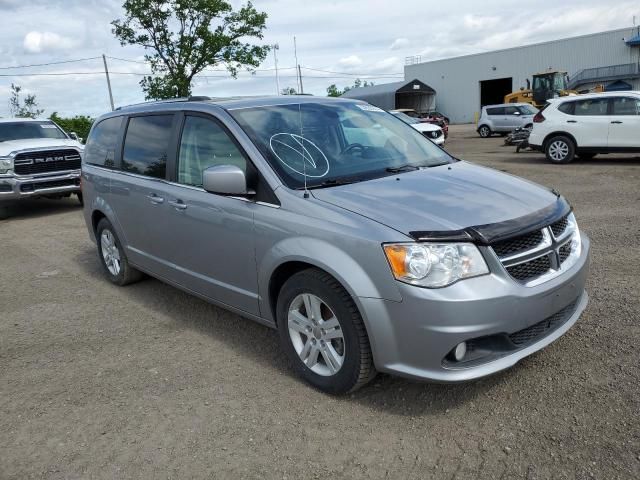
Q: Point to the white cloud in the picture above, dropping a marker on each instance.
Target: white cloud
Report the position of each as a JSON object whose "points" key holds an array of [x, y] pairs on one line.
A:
{"points": [[480, 22], [400, 43], [38, 42], [350, 61]]}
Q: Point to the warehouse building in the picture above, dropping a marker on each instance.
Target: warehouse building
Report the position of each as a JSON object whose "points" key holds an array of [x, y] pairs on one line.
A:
{"points": [[462, 85]]}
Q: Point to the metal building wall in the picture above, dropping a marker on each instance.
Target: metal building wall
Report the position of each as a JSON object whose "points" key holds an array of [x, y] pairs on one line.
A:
{"points": [[456, 80]]}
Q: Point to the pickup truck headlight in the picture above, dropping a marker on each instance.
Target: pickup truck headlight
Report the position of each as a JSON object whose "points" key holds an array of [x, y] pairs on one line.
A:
{"points": [[6, 164], [434, 265]]}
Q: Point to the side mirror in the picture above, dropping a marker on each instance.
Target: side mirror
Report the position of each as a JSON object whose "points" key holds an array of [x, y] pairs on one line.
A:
{"points": [[74, 136], [225, 180]]}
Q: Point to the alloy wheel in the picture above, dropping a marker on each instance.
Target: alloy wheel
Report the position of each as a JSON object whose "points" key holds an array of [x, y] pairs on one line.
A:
{"points": [[316, 334], [110, 252], [558, 150]]}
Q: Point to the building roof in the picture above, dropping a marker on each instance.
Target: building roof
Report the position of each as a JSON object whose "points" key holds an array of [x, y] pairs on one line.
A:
{"points": [[384, 95]]}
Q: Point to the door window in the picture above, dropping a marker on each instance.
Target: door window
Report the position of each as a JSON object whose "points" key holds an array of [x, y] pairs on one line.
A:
{"points": [[146, 145], [511, 111], [495, 111], [101, 144], [205, 144], [595, 106], [626, 106]]}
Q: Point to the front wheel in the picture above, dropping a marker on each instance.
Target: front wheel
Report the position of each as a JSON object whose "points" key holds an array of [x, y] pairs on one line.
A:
{"points": [[323, 334], [560, 149], [484, 131]]}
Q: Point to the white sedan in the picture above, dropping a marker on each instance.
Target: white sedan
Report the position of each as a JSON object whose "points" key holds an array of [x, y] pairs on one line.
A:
{"points": [[429, 130]]}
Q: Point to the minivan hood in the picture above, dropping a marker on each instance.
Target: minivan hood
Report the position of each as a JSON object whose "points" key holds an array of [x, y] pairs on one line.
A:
{"points": [[450, 197], [37, 143]]}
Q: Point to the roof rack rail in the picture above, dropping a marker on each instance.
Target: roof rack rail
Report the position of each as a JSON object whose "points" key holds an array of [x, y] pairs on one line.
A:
{"points": [[198, 98], [193, 98]]}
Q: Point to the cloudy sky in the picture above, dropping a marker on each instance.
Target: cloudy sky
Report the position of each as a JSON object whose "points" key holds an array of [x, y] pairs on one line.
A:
{"points": [[347, 38]]}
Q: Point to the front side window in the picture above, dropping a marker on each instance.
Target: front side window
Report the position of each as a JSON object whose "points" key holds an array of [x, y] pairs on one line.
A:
{"points": [[626, 106], [527, 110], [510, 110], [593, 106], [146, 145], [27, 130], [101, 144], [329, 143], [205, 144]]}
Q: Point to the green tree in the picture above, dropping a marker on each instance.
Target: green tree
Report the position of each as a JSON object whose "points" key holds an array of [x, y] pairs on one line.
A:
{"points": [[24, 109], [288, 91], [79, 124], [186, 36], [333, 91]]}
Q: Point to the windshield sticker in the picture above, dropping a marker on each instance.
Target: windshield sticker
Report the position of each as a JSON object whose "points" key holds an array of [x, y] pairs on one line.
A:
{"points": [[47, 125], [368, 108], [299, 154]]}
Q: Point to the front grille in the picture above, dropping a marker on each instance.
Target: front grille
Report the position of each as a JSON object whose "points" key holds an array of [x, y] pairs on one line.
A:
{"points": [[528, 270], [564, 252], [4, 188], [518, 244], [540, 329], [34, 187], [559, 227], [46, 161]]}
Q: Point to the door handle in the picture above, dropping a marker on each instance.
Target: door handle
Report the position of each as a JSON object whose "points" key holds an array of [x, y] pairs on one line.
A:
{"points": [[155, 199], [572, 121], [178, 205], [616, 121]]}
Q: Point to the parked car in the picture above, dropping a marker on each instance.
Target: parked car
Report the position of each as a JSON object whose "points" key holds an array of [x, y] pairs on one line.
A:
{"points": [[505, 118], [437, 115], [586, 125], [426, 118], [429, 130], [37, 159], [366, 246]]}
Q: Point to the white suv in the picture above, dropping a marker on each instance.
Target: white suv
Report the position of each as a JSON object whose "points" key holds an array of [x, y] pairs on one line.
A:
{"points": [[586, 125]]}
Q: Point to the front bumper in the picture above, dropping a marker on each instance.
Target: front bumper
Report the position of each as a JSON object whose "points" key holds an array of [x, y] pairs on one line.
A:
{"points": [[14, 187], [414, 337]]}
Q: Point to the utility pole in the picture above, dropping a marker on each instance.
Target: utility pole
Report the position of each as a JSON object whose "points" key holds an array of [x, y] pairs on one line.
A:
{"points": [[276, 47], [106, 72], [300, 75], [295, 53]]}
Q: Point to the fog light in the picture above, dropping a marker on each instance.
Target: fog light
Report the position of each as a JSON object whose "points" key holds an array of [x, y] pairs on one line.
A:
{"points": [[460, 351]]}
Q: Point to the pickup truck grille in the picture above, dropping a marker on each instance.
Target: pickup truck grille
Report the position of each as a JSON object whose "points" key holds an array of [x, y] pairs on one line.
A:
{"points": [[530, 256], [31, 163]]}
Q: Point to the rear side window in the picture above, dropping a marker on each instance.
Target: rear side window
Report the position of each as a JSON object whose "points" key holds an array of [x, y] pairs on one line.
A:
{"points": [[511, 110], [626, 106], [205, 144], [101, 144], [594, 106], [495, 111], [567, 107], [146, 145]]}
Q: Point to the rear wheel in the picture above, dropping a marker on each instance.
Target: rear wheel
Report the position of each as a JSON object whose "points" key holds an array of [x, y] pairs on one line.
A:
{"points": [[484, 131], [560, 149], [323, 334], [112, 256]]}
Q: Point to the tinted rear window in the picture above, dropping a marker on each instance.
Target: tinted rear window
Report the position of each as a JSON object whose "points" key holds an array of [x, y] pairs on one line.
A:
{"points": [[101, 144], [596, 106], [567, 107], [626, 106], [146, 145], [495, 111]]}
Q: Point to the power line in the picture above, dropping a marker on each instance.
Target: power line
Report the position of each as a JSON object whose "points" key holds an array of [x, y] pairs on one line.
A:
{"points": [[354, 74], [50, 63]]}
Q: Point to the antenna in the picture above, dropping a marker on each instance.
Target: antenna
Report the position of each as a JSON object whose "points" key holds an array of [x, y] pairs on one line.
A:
{"points": [[295, 53], [276, 47], [302, 150]]}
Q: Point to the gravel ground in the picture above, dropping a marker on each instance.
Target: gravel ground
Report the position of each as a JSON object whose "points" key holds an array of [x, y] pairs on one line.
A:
{"points": [[98, 381]]}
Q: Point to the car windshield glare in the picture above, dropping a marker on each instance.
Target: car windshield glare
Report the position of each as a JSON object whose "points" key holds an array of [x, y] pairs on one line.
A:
{"points": [[332, 142], [27, 130]]}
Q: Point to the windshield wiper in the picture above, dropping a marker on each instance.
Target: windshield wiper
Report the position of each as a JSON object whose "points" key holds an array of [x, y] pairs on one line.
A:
{"points": [[402, 168], [331, 183]]}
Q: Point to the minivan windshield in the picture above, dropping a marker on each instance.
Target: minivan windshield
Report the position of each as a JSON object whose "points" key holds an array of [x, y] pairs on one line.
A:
{"points": [[335, 143], [26, 130]]}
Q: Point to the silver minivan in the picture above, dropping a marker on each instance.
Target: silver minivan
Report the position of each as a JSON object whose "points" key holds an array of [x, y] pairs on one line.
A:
{"points": [[505, 118], [365, 245]]}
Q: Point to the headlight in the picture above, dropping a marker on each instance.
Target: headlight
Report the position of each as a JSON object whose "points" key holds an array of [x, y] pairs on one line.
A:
{"points": [[575, 245], [434, 265], [6, 164]]}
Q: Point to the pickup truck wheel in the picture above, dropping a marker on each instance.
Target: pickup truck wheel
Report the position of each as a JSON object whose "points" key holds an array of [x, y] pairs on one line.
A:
{"points": [[4, 212], [560, 149], [80, 199], [484, 131], [112, 256], [323, 334]]}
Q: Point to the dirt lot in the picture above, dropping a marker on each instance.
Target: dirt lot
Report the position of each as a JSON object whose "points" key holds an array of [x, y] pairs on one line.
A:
{"points": [[98, 381]]}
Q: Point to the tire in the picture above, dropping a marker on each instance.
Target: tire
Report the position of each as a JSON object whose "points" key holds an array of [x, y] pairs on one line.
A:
{"points": [[344, 338], [80, 199], [120, 272], [560, 149], [484, 131], [586, 156], [4, 212]]}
